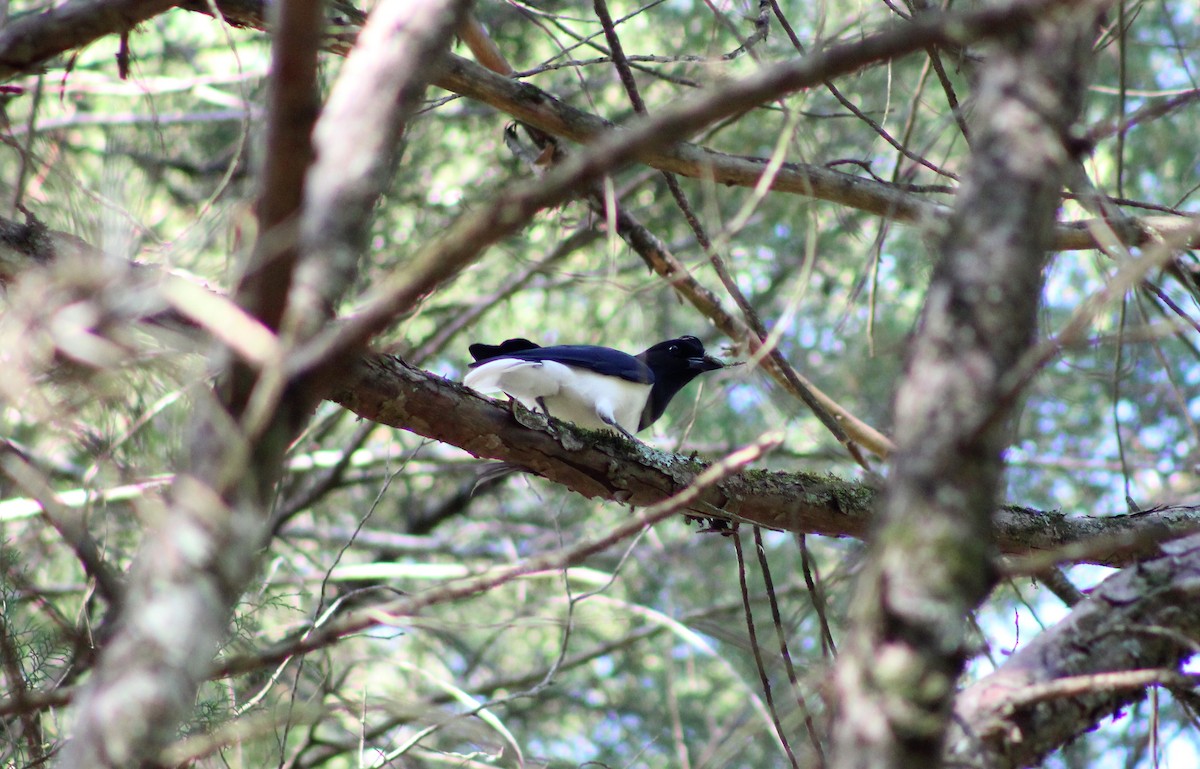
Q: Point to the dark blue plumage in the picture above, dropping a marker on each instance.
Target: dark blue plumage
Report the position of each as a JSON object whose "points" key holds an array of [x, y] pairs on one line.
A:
{"points": [[602, 360]]}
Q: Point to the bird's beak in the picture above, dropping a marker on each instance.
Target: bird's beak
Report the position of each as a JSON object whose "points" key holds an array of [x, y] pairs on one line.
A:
{"points": [[705, 363]]}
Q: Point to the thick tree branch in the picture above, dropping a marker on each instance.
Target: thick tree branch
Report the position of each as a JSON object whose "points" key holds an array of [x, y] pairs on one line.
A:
{"points": [[380, 87], [29, 41], [384, 389], [292, 106], [194, 567], [1142, 618], [929, 565]]}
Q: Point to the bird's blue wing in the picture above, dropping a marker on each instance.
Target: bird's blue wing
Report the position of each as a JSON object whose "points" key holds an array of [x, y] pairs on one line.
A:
{"points": [[601, 360]]}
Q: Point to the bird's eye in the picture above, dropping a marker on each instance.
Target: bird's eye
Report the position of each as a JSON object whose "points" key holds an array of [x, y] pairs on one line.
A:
{"points": [[673, 348]]}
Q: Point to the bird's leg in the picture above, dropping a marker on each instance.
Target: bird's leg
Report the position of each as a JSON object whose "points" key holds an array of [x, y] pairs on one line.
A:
{"points": [[613, 424]]}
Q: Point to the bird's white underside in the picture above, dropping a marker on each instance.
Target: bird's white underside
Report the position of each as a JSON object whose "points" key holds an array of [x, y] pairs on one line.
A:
{"points": [[576, 395]]}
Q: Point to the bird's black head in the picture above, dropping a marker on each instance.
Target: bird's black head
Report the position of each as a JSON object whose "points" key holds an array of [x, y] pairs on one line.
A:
{"points": [[674, 362]]}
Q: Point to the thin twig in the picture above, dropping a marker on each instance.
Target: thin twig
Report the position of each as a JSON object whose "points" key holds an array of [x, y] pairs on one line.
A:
{"points": [[764, 680], [784, 653]]}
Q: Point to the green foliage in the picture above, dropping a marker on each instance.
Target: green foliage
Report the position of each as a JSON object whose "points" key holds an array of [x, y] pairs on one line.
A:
{"points": [[642, 658]]}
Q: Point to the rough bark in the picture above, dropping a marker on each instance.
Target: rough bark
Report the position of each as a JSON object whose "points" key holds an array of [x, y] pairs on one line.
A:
{"points": [[384, 389], [1141, 619], [195, 565], [929, 564], [356, 144]]}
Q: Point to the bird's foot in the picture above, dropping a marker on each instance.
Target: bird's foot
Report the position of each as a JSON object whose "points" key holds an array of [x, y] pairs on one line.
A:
{"points": [[614, 425]]}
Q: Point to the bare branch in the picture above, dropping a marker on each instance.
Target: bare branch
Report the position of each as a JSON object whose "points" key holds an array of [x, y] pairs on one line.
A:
{"points": [[543, 111], [1131, 632], [292, 105], [33, 39]]}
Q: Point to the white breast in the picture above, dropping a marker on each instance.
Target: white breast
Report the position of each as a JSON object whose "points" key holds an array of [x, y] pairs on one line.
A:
{"points": [[576, 395]]}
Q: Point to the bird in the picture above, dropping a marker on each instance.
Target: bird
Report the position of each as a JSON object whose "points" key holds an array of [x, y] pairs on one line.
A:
{"points": [[597, 388]]}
